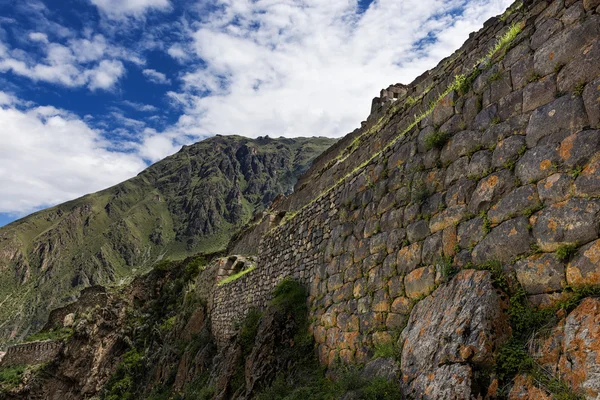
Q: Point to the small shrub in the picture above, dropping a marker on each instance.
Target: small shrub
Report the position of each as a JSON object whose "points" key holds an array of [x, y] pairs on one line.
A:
{"points": [[10, 377], [533, 77], [386, 350], [575, 172], [248, 330], [168, 324], [420, 193], [496, 76], [436, 140], [565, 252], [122, 385], [578, 90]]}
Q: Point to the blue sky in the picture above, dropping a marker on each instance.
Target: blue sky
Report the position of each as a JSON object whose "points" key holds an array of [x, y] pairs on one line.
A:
{"points": [[93, 91]]}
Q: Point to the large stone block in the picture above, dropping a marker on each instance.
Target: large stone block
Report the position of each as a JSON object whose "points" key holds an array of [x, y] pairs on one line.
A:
{"points": [[555, 121], [417, 231], [419, 282], [507, 150], [444, 109], [517, 202], [555, 188], [408, 258], [544, 31], [591, 99], [578, 148], [539, 93], [480, 164], [471, 232], [462, 143], [583, 68], [448, 217], [570, 222], [540, 273], [455, 329], [560, 49], [508, 240], [521, 72], [537, 163], [584, 269], [588, 183], [489, 190]]}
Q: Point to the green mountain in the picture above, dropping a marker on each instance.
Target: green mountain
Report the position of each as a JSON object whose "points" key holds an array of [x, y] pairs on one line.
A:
{"points": [[187, 203]]}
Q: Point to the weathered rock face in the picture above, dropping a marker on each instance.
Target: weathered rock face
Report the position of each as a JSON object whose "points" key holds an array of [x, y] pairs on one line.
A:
{"points": [[450, 335], [572, 351]]}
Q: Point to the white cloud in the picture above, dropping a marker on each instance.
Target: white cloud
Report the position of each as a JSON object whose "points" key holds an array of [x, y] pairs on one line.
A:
{"points": [[310, 67], [118, 9], [38, 37], [48, 156], [86, 61], [139, 106], [177, 51], [106, 74], [156, 77]]}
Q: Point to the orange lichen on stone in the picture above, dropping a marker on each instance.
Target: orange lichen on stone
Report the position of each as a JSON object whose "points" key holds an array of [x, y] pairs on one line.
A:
{"points": [[524, 389], [566, 146], [544, 165]]}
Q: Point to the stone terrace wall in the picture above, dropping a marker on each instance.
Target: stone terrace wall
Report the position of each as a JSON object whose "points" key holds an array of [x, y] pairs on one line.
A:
{"points": [[31, 353], [335, 163], [89, 297], [517, 180]]}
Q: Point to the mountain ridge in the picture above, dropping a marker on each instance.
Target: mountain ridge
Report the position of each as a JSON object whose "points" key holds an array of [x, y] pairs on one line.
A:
{"points": [[190, 202]]}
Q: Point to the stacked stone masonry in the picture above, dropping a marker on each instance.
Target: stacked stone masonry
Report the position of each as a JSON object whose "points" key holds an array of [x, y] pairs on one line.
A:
{"points": [[517, 180], [31, 353]]}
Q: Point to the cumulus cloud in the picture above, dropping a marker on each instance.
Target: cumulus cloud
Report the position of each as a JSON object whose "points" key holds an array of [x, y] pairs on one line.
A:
{"points": [[303, 68], [85, 61], [120, 8], [156, 77], [48, 156]]}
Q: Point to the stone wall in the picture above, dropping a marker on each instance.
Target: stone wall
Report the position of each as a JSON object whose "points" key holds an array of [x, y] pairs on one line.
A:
{"points": [[88, 298], [31, 353], [506, 171]]}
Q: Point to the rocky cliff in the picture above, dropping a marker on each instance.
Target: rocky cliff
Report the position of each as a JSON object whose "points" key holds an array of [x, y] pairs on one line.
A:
{"points": [[192, 201], [447, 249]]}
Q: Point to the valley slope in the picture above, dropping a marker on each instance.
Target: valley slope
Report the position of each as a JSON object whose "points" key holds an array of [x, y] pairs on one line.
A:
{"points": [[190, 202]]}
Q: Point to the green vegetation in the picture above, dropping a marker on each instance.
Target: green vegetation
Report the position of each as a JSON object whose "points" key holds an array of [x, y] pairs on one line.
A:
{"points": [[436, 140], [122, 384], [387, 350], [163, 212], [502, 44], [248, 330], [526, 321], [579, 87], [306, 379], [55, 334], [236, 276], [10, 377], [565, 252]]}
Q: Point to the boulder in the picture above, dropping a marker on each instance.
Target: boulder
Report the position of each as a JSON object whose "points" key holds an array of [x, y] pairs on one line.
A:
{"points": [[450, 333]]}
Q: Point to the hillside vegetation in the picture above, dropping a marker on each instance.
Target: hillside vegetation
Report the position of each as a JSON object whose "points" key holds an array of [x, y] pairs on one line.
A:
{"points": [[190, 202]]}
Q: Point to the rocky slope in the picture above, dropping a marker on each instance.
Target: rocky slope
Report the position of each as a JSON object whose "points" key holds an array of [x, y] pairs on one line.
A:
{"points": [[192, 201]]}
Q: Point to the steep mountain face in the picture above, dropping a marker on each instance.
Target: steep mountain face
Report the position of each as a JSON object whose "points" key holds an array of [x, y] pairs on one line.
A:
{"points": [[190, 202]]}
